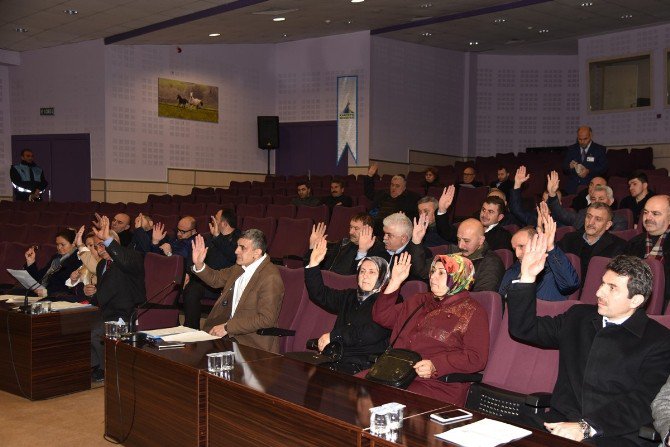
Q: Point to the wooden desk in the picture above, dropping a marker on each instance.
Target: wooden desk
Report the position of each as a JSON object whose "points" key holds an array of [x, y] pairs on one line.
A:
{"points": [[51, 353], [167, 398]]}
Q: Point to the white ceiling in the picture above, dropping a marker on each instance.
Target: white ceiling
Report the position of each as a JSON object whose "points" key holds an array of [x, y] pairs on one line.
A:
{"points": [[452, 24]]}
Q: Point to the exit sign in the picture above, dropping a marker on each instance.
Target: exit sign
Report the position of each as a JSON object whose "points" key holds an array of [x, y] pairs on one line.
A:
{"points": [[47, 111]]}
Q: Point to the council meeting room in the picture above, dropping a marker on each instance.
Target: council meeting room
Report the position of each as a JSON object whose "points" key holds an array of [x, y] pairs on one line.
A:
{"points": [[335, 223]]}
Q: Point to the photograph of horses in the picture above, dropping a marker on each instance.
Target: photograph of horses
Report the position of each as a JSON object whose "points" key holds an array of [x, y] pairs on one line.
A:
{"points": [[188, 101]]}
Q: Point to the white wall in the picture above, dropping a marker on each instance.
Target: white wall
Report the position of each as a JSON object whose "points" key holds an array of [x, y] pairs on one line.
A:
{"points": [[635, 126], [525, 101], [417, 99]]}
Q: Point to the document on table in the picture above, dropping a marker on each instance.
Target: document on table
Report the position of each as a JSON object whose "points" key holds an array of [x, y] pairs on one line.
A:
{"points": [[190, 337], [484, 433], [160, 333], [62, 305], [18, 299], [25, 279]]}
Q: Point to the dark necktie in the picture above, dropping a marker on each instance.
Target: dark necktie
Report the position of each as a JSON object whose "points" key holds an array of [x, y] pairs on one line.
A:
{"points": [[583, 155], [609, 323]]}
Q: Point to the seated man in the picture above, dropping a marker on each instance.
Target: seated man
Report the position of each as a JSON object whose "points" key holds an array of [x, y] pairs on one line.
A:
{"points": [[119, 288], [602, 194], [121, 226], [180, 245], [397, 236], [305, 197], [583, 197], [503, 183], [385, 203], [654, 242], [342, 257], [521, 214], [252, 292], [558, 279], [489, 268], [613, 358], [336, 197], [638, 185], [594, 239], [428, 206], [220, 255], [468, 179]]}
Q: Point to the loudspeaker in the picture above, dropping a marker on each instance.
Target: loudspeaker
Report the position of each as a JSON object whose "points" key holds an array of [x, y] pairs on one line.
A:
{"points": [[268, 132]]}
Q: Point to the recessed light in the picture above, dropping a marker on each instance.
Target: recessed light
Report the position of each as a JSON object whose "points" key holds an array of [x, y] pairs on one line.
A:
{"points": [[21, 30], [530, 27], [472, 43], [327, 20], [426, 5], [626, 16], [284, 35], [586, 4], [214, 34], [500, 20], [543, 31], [357, 1], [348, 22], [426, 34], [279, 19], [70, 12]]}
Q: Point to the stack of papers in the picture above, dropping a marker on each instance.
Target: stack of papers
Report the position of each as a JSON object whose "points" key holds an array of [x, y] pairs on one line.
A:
{"points": [[60, 305], [484, 433], [18, 299], [180, 334]]}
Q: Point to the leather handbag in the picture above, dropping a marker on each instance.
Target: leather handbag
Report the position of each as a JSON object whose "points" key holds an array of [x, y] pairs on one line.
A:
{"points": [[395, 367]]}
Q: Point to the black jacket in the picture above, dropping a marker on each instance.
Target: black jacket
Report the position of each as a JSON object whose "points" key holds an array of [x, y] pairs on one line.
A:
{"points": [[387, 205], [354, 327], [607, 376], [498, 237], [341, 256], [608, 245], [56, 283], [121, 287]]}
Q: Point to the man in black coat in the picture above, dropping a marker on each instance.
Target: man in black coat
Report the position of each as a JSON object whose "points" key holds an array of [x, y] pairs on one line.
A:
{"points": [[385, 203], [638, 185], [594, 239], [119, 289], [583, 199], [654, 241], [504, 183], [337, 196], [613, 359]]}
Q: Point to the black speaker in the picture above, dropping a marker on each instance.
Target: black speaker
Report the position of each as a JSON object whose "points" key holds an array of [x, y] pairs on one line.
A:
{"points": [[268, 132]]}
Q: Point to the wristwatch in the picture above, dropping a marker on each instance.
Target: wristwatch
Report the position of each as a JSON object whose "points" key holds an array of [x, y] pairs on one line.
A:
{"points": [[586, 428]]}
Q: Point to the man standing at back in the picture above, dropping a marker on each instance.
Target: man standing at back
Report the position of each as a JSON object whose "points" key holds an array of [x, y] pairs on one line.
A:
{"points": [[613, 359], [27, 178], [584, 160], [252, 292]]}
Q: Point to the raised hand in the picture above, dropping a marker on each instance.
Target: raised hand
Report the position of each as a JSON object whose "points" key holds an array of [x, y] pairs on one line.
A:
{"points": [[446, 199], [79, 237], [30, 256], [534, 258], [318, 252], [214, 226], [549, 230], [552, 183], [520, 177], [419, 230], [158, 233], [372, 170], [366, 239], [399, 272], [318, 233], [199, 252], [102, 232], [96, 222]]}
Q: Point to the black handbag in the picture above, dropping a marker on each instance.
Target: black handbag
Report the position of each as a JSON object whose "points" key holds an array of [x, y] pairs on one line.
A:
{"points": [[395, 367]]}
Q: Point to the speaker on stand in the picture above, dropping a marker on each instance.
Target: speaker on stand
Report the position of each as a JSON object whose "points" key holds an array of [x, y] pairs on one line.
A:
{"points": [[268, 134]]}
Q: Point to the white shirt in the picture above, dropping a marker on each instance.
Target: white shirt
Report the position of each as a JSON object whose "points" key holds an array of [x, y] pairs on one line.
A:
{"points": [[490, 227], [243, 280], [616, 321]]}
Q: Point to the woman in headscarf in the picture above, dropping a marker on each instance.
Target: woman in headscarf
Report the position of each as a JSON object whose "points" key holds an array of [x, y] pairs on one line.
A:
{"points": [[449, 330], [354, 329], [50, 280]]}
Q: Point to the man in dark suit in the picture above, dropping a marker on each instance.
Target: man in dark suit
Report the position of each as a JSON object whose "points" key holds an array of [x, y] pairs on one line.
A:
{"points": [[613, 359], [385, 203], [252, 292], [594, 239], [638, 185], [119, 289], [337, 196], [504, 183], [584, 160], [654, 242], [583, 198]]}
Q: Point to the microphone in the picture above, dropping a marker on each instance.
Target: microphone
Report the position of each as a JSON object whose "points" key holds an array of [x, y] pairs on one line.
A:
{"points": [[145, 306], [26, 305], [343, 243]]}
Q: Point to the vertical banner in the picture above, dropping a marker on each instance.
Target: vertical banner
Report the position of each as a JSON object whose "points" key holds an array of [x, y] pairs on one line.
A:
{"points": [[347, 116]]}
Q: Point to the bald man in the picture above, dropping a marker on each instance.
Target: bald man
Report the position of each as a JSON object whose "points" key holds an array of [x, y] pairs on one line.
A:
{"points": [[121, 226], [583, 197], [180, 245], [489, 268], [583, 161]]}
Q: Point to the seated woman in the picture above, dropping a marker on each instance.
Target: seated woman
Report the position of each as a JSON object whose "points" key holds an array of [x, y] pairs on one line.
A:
{"points": [[85, 274], [50, 280], [431, 178], [360, 336], [450, 329]]}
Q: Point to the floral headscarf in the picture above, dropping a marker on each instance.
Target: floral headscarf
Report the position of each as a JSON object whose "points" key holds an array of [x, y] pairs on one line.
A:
{"points": [[382, 279], [460, 272]]}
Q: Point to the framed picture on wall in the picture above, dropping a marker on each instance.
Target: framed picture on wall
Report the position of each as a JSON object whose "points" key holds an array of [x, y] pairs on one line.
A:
{"points": [[188, 101]]}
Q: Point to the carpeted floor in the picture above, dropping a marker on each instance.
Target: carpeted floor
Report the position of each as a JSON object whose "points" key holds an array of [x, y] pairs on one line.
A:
{"points": [[74, 420]]}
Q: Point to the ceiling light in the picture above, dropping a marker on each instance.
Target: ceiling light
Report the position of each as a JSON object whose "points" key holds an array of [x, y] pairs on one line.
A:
{"points": [[214, 34], [284, 35], [472, 43], [626, 16], [21, 30], [279, 19], [586, 4], [426, 34], [357, 1], [426, 5], [543, 31], [70, 12], [530, 27], [348, 22], [500, 20], [327, 20]]}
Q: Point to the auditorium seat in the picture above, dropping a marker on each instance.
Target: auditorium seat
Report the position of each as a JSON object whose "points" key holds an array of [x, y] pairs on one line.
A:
{"points": [[505, 256], [338, 227], [191, 209], [411, 288], [627, 235], [656, 300], [291, 239], [276, 210], [281, 199], [316, 213], [25, 217], [12, 257], [43, 234], [468, 201], [562, 231], [51, 218], [492, 303], [627, 215], [111, 209], [577, 265], [163, 277], [267, 225], [294, 293], [12, 232], [76, 220], [259, 200], [164, 209], [593, 280], [440, 250]]}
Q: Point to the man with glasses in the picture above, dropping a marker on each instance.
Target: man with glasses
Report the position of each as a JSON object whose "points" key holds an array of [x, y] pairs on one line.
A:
{"points": [[397, 236], [468, 180], [180, 245]]}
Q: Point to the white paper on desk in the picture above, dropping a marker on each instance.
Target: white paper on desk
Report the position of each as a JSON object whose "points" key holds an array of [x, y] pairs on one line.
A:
{"points": [[18, 299], [190, 337], [484, 433], [62, 305], [160, 333], [25, 279]]}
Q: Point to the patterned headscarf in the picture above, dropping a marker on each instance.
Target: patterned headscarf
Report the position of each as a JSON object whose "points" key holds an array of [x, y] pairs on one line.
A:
{"points": [[382, 279], [460, 272]]}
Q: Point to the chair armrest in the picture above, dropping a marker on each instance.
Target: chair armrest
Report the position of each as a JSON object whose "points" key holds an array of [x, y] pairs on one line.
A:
{"points": [[461, 377], [539, 400], [276, 332], [648, 432]]}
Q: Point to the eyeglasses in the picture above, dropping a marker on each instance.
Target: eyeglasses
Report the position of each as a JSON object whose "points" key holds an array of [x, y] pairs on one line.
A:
{"points": [[184, 231]]}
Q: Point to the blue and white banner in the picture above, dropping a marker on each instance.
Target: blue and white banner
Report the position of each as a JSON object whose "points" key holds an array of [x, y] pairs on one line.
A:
{"points": [[347, 116]]}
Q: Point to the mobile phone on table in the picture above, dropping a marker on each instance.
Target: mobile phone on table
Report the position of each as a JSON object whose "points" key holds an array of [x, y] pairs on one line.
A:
{"points": [[450, 416]]}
